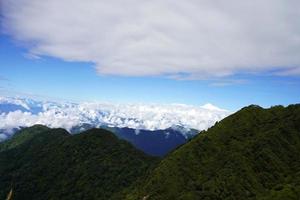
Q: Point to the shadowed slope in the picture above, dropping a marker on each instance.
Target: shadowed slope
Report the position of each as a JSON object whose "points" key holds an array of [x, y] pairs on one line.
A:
{"points": [[55, 165], [252, 154]]}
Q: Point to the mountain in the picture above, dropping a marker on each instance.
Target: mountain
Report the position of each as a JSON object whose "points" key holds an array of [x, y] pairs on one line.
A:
{"points": [[157, 142], [23, 112], [8, 104], [152, 128], [23, 136], [43, 163], [252, 154]]}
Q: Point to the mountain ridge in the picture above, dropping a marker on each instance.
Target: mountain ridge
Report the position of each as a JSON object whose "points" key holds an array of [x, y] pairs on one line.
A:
{"points": [[20, 112], [58, 165], [252, 154]]}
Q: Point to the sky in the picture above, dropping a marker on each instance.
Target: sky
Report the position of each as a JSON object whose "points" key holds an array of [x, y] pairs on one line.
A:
{"points": [[228, 53]]}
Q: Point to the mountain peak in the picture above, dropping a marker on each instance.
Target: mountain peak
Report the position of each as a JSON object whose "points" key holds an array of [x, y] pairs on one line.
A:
{"points": [[18, 112], [93, 165], [248, 155], [210, 106]]}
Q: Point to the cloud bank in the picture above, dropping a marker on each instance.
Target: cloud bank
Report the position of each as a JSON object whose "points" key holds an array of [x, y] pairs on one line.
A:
{"points": [[138, 116], [177, 39]]}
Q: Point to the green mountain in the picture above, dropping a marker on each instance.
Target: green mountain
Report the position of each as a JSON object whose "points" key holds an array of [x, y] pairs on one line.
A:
{"points": [[252, 154], [22, 136], [43, 163]]}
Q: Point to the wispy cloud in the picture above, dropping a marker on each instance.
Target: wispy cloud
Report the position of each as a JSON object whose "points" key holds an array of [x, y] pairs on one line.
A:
{"points": [[293, 71], [31, 56], [2, 78], [228, 82], [180, 39], [4, 83]]}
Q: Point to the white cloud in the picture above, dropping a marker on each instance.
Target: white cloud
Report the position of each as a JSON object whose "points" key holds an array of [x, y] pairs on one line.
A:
{"points": [[138, 116], [197, 38]]}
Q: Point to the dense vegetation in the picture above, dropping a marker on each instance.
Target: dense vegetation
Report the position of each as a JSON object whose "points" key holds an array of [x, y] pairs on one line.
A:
{"points": [[43, 163], [252, 154]]}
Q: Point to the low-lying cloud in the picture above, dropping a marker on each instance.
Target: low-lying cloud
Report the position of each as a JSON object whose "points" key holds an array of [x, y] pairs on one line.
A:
{"points": [[26, 113], [197, 38]]}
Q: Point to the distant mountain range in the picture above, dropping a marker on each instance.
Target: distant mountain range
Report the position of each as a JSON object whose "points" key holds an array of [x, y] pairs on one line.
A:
{"points": [[158, 142], [155, 129], [22, 112], [155, 143], [252, 155]]}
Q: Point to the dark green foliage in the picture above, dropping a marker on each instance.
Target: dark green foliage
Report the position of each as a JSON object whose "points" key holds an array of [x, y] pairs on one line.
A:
{"points": [[27, 134], [252, 154], [55, 165]]}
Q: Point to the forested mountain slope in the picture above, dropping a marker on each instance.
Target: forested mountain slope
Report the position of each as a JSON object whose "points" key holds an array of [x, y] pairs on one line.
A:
{"points": [[43, 163], [252, 154]]}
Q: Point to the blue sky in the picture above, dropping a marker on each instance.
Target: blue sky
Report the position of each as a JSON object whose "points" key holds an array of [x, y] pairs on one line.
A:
{"points": [[152, 52], [78, 81]]}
